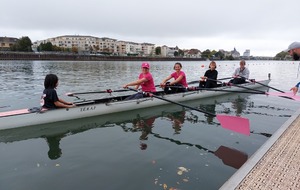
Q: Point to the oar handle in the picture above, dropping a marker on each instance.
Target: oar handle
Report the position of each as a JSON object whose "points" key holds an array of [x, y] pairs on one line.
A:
{"points": [[197, 81], [231, 84], [95, 92]]}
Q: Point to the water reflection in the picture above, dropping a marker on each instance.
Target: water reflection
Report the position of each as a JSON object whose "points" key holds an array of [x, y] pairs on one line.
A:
{"points": [[229, 156], [55, 151], [239, 104], [135, 122], [177, 119]]}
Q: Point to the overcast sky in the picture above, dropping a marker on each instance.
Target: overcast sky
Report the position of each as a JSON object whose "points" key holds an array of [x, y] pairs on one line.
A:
{"points": [[266, 27]]}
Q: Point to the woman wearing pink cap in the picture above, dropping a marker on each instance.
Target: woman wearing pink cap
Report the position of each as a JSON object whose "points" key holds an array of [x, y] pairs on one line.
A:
{"points": [[145, 81], [179, 83]]}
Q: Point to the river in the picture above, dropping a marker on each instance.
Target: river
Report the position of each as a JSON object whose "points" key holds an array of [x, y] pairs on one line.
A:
{"points": [[166, 147]]}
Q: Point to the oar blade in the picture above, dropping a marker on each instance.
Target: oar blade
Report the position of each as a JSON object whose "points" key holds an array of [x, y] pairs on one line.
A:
{"points": [[289, 95], [234, 123]]}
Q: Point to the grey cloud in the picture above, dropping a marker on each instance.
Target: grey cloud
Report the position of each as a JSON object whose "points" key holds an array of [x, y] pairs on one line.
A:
{"points": [[162, 20]]}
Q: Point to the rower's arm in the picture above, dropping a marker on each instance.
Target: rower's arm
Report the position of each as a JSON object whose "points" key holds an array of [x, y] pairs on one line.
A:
{"points": [[166, 79], [137, 82], [177, 80]]}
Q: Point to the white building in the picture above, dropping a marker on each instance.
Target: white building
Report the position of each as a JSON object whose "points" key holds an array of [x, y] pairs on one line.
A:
{"points": [[82, 43], [246, 53], [148, 49], [99, 45], [235, 53], [168, 51], [192, 53]]}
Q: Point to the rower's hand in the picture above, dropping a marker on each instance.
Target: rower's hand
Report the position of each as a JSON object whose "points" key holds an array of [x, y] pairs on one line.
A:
{"points": [[295, 90], [125, 86], [162, 85], [203, 78], [71, 105]]}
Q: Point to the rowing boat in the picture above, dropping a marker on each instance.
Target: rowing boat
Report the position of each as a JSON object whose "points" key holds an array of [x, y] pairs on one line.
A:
{"points": [[89, 108]]}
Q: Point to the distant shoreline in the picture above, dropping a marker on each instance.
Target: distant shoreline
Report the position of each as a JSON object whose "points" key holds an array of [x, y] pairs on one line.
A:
{"points": [[78, 57]]}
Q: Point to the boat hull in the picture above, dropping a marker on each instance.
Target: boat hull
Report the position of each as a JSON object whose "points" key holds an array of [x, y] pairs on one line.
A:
{"points": [[90, 110]]}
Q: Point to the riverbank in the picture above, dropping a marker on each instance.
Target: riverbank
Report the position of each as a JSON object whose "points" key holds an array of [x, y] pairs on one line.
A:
{"points": [[77, 57]]}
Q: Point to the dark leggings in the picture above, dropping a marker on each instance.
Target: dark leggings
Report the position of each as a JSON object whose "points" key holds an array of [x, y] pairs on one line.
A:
{"points": [[238, 81], [135, 96], [174, 88], [207, 84]]}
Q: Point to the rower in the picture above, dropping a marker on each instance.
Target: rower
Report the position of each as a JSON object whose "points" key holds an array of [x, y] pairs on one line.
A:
{"points": [[241, 74], [212, 74], [49, 99], [179, 83], [145, 81]]}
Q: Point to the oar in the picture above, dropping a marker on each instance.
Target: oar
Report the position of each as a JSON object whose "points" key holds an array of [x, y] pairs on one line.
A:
{"points": [[197, 81], [288, 95], [234, 123], [224, 90], [244, 87], [253, 81], [229, 156], [281, 94], [4, 106], [95, 92], [217, 90]]}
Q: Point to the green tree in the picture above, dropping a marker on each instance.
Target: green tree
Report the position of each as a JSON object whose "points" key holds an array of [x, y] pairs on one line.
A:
{"points": [[23, 44], [206, 54], [45, 47], [230, 57], [176, 53], [282, 56], [158, 50], [219, 55], [180, 52]]}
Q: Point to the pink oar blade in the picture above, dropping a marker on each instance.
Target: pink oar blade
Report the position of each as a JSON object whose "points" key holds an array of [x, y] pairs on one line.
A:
{"points": [[289, 95], [14, 112], [234, 123]]}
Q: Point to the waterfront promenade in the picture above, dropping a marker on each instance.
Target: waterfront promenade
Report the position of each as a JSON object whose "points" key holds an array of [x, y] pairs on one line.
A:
{"points": [[276, 165]]}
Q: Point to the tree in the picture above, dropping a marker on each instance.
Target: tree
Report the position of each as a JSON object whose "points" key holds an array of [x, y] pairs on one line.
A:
{"points": [[219, 55], [74, 49], [230, 57], [176, 53], [23, 44], [282, 55], [206, 54], [158, 50], [180, 52]]}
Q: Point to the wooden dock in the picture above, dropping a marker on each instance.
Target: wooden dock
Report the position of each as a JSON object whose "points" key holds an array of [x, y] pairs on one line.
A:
{"points": [[276, 165]]}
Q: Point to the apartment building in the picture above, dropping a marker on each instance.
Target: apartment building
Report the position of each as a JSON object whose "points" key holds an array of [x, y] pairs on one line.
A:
{"points": [[99, 45], [106, 45], [82, 43], [7, 42]]}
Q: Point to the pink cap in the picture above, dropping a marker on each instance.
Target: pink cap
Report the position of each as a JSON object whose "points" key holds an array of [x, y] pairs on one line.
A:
{"points": [[145, 65]]}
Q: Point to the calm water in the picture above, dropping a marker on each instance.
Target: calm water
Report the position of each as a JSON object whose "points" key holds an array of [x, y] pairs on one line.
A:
{"points": [[159, 148]]}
